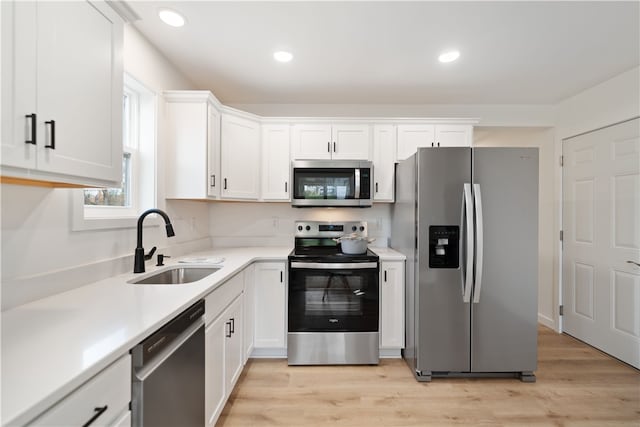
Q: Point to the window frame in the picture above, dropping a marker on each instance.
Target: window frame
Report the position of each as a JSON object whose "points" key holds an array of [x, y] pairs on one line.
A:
{"points": [[143, 192]]}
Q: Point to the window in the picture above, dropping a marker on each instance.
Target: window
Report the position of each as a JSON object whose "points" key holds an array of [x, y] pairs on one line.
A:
{"points": [[117, 207]]}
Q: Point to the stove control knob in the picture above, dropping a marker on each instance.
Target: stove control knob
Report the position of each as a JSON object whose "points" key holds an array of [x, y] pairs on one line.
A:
{"points": [[299, 228], [307, 228], [361, 228], [354, 228]]}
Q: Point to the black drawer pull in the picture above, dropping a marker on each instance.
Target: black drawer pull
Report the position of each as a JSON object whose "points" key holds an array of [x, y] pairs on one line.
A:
{"points": [[53, 134], [286, 189], [213, 180], [228, 334], [225, 184], [33, 118], [281, 277], [385, 275], [99, 411], [233, 325]]}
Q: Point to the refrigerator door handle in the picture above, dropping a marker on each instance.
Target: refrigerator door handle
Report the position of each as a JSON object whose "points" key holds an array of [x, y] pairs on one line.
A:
{"points": [[477, 195], [467, 273]]}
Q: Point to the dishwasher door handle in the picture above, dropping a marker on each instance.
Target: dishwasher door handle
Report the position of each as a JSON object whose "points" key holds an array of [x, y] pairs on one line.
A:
{"points": [[143, 372]]}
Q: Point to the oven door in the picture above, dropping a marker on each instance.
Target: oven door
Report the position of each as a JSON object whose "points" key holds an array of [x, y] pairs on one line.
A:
{"points": [[333, 297]]}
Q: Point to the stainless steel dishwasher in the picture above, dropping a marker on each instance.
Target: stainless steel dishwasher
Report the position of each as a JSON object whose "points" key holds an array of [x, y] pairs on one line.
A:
{"points": [[168, 373]]}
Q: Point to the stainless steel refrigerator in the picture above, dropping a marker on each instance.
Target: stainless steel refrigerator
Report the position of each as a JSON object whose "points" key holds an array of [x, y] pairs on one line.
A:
{"points": [[467, 221]]}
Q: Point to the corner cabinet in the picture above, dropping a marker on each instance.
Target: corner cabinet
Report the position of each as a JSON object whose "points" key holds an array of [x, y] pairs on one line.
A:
{"points": [[384, 157], [192, 144], [240, 153], [392, 304], [331, 141], [62, 92], [412, 136], [276, 181]]}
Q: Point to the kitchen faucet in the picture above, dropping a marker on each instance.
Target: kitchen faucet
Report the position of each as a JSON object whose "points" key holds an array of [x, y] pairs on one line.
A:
{"points": [[140, 257]]}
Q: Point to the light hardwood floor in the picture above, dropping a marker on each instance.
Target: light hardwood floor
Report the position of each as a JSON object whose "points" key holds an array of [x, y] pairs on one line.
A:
{"points": [[576, 386]]}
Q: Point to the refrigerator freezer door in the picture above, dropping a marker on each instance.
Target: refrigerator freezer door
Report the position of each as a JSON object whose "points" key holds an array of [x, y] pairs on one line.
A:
{"points": [[504, 321], [442, 317]]}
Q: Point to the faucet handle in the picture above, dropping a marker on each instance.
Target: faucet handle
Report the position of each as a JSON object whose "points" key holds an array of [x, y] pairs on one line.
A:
{"points": [[161, 258], [150, 254]]}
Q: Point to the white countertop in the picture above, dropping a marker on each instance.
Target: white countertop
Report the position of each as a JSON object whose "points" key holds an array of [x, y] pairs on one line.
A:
{"points": [[53, 345]]}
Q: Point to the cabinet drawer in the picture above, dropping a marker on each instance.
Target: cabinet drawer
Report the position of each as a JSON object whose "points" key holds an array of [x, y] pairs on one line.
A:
{"points": [[110, 389], [219, 299]]}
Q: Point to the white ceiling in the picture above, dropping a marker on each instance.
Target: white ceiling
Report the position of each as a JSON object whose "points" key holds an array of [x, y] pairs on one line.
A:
{"points": [[386, 52]]}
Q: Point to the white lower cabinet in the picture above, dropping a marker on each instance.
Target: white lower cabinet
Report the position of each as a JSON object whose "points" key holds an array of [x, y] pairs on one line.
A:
{"points": [[270, 307], [101, 401], [392, 304], [224, 350]]}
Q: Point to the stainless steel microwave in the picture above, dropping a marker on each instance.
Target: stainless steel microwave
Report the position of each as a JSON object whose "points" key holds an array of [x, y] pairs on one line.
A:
{"points": [[337, 183]]}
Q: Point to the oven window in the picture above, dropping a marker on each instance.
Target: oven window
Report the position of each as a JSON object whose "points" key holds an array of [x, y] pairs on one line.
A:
{"points": [[333, 300], [337, 184]]}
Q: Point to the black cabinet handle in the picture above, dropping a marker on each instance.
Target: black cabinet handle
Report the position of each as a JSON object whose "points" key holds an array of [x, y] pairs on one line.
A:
{"points": [[334, 146], [376, 187], [228, 334], [99, 411], [438, 144], [225, 184], [432, 144], [213, 180], [286, 189], [233, 325], [385, 275], [328, 147], [33, 118], [53, 134], [281, 277]]}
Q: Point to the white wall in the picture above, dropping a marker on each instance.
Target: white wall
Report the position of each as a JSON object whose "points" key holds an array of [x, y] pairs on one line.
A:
{"points": [[41, 255], [543, 139], [272, 224], [607, 103]]}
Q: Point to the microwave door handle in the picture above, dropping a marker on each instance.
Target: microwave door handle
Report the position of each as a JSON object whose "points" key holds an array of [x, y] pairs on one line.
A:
{"points": [[357, 179]]}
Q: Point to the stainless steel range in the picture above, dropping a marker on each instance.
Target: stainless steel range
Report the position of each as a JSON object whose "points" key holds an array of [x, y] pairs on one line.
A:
{"points": [[333, 298]]}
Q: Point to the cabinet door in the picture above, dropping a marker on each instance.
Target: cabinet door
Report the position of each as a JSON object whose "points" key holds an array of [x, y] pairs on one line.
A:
{"points": [[392, 304], [213, 151], [384, 156], [351, 142], [240, 151], [275, 162], [18, 83], [79, 89], [215, 396], [453, 135], [248, 307], [410, 137], [311, 142], [270, 296], [186, 144], [233, 350]]}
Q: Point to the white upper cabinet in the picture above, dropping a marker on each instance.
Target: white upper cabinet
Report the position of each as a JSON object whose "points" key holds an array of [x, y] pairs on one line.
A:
{"points": [[276, 162], [62, 92], [240, 153], [412, 136], [453, 135], [384, 157], [192, 144], [326, 141]]}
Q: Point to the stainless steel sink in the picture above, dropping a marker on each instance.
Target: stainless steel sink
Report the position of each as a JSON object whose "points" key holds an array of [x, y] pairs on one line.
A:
{"points": [[177, 276]]}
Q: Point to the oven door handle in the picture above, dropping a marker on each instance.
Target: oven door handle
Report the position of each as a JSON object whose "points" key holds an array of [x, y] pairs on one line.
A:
{"points": [[334, 265]]}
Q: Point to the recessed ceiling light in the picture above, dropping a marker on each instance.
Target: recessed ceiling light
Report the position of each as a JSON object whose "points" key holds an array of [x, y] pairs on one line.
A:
{"points": [[282, 56], [171, 17], [450, 56]]}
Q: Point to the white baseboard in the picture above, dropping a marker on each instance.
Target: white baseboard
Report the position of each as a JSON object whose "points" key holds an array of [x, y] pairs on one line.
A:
{"points": [[269, 353], [390, 353], [546, 321]]}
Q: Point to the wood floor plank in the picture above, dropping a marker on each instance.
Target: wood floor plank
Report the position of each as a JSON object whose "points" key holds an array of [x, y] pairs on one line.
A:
{"points": [[577, 385]]}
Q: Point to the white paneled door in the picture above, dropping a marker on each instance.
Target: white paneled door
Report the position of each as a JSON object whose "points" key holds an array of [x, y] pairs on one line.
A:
{"points": [[601, 223]]}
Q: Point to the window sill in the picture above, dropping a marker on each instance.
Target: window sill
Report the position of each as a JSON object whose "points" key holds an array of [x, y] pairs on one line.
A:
{"points": [[80, 223]]}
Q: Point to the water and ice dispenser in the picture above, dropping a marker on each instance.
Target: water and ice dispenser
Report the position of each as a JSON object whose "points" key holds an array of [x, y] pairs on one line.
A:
{"points": [[444, 246]]}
